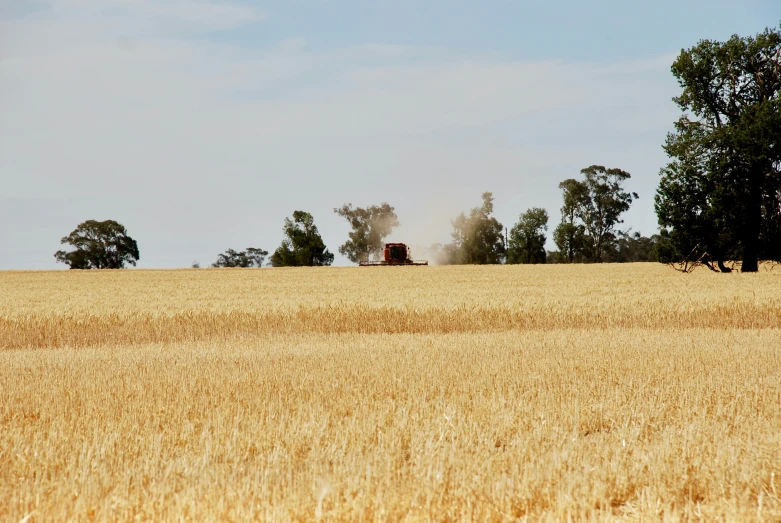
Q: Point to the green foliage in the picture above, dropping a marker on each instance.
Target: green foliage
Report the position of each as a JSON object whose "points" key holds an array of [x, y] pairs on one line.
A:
{"points": [[99, 245], [592, 209], [720, 196], [570, 238], [569, 235], [629, 248], [527, 237], [370, 227], [303, 246], [602, 208], [477, 238], [251, 257], [554, 257], [664, 250]]}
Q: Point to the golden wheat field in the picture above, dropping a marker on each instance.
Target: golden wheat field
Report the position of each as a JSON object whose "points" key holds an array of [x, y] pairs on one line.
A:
{"points": [[603, 392]]}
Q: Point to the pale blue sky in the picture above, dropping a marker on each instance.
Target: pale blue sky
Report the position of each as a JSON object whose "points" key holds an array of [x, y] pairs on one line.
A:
{"points": [[201, 124], [567, 30]]}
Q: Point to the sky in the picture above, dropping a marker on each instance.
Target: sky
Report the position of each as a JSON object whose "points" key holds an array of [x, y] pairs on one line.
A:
{"points": [[201, 124]]}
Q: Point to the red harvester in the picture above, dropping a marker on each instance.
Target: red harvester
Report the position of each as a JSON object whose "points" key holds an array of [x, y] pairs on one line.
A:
{"points": [[394, 254]]}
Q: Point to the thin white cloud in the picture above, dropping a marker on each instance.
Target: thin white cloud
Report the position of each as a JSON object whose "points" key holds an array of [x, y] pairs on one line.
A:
{"points": [[163, 16]]}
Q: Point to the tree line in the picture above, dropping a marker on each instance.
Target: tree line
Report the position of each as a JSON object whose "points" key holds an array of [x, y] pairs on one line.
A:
{"points": [[718, 202], [591, 211]]}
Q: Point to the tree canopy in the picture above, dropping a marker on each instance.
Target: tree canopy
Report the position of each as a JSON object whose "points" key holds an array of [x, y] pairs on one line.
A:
{"points": [[99, 245], [634, 247], [719, 198], [592, 209], [527, 237], [370, 226], [569, 236], [303, 246], [603, 206], [251, 257]]}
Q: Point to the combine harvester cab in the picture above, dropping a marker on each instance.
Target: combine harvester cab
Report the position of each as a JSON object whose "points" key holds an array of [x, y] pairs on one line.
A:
{"points": [[394, 254]]}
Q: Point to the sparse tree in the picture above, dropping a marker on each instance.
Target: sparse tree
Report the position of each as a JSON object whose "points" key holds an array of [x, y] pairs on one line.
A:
{"points": [[370, 226], [592, 209], [99, 245], [527, 237], [629, 248], [601, 211], [569, 235], [251, 257], [303, 246], [554, 257]]}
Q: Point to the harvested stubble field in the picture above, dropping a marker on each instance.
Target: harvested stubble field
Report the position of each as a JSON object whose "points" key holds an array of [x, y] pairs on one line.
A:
{"points": [[437, 393]]}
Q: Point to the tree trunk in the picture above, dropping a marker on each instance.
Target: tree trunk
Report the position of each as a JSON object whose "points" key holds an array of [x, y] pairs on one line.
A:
{"points": [[750, 238], [750, 255]]}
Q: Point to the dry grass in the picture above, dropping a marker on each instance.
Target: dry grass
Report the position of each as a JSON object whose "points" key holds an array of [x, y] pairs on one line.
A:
{"points": [[441, 393]]}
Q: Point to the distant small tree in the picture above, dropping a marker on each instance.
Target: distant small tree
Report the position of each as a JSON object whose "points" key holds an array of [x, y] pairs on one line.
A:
{"points": [[633, 248], [99, 245], [251, 257], [569, 236], [478, 238], [607, 201], [592, 209], [554, 257], [527, 237], [370, 227], [303, 246]]}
